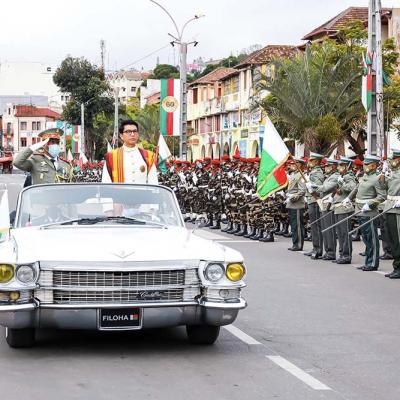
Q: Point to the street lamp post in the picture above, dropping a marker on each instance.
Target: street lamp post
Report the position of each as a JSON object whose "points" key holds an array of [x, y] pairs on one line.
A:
{"points": [[182, 75]]}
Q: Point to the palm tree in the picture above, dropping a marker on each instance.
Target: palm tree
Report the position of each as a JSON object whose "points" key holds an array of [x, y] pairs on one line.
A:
{"points": [[148, 119], [315, 97]]}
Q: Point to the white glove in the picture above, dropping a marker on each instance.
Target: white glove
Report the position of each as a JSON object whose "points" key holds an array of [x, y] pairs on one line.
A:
{"points": [[365, 208], [385, 167], [214, 198], [346, 202], [330, 199], [340, 179], [230, 175], [39, 145], [397, 204], [309, 187], [227, 196]]}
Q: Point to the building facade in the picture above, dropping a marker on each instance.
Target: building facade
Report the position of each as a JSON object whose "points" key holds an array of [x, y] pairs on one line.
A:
{"points": [[21, 125]]}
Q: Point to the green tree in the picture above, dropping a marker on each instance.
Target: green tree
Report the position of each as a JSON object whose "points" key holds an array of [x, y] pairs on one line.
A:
{"points": [[86, 84], [148, 119], [164, 71]]}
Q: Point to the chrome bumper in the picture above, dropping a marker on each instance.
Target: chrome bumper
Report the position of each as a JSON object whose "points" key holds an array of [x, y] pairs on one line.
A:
{"points": [[153, 315]]}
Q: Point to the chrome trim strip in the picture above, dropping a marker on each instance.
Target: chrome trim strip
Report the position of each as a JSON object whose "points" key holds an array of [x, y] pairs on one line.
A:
{"points": [[119, 305], [118, 266], [115, 288], [239, 304], [18, 307]]}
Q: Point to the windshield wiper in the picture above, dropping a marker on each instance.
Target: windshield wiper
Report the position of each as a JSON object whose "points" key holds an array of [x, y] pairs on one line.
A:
{"points": [[96, 220]]}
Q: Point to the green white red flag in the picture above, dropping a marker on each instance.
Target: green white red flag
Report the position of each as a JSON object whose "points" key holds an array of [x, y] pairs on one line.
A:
{"points": [[170, 107], [272, 175], [4, 215], [366, 86]]}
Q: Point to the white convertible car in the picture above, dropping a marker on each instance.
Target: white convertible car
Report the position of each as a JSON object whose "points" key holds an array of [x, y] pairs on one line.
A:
{"points": [[112, 257]]}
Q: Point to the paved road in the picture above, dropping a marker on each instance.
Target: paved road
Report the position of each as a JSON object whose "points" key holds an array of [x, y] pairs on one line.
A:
{"points": [[313, 330]]}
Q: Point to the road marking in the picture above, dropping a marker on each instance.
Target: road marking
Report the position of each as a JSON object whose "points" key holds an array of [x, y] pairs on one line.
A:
{"points": [[298, 373], [381, 272], [244, 337]]}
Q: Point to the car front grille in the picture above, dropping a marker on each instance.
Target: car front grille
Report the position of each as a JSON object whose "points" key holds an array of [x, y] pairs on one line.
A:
{"points": [[72, 286], [118, 279]]}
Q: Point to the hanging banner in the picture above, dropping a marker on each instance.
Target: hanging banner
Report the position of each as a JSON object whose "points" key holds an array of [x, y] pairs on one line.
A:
{"points": [[170, 107]]}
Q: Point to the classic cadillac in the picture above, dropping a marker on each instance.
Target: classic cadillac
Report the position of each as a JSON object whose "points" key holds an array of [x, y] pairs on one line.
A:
{"points": [[112, 257]]}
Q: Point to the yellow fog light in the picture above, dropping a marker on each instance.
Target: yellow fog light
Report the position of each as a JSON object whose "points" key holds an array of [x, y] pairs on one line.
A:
{"points": [[235, 272], [6, 272], [14, 296]]}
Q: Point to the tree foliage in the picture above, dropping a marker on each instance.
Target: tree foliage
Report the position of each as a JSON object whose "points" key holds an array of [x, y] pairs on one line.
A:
{"points": [[148, 119], [165, 71], [86, 84]]}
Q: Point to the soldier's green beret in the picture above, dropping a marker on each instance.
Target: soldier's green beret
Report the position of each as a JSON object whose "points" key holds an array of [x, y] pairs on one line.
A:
{"points": [[369, 159], [395, 153], [315, 156]]}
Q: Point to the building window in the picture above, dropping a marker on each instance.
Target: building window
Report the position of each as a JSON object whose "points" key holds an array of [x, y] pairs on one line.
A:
{"points": [[9, 111], [23, 142], [38, 125], [34, 126], [23, 126], [217, 123], [132, 88], [227, 87], [235, 84], [202, 125], [62, 98], [245, 80], [8, 127], [33, 140], [195, 99], [196, 126]]}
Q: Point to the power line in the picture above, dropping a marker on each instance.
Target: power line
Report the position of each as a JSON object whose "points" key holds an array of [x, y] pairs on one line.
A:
{"points": [[147, 56]]}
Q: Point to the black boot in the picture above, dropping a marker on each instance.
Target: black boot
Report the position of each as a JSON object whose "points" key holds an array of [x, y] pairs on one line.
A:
{"points": [[228, 227], [285, 230], [250, 232], [210, 222], [255, 234], [259, 235], [243, 230], [355, 237], [233, 228], [217, 225], [269, 237], [238, 228]]}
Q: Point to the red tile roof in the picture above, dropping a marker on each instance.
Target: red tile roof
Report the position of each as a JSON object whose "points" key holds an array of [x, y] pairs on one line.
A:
{"points": [[32, 111], [213, 76], [340, 20], [267, 54], [153, 98]]}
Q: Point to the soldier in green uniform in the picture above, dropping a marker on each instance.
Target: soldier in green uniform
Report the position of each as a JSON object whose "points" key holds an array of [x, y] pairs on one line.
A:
{"points": [[42, 159], [346, 184], [316, 179], [391, 182], [368, 195], [295, 203]]}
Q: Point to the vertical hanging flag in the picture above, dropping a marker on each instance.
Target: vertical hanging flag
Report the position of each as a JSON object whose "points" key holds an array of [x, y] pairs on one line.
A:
{"points": [[170, 107], [76, 139], [272, 175], [366, 86], [4, 215], [163, 154]]}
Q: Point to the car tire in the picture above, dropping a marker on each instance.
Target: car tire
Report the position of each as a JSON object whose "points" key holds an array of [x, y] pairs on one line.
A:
{"points": [[202, 334], [17, 338]]}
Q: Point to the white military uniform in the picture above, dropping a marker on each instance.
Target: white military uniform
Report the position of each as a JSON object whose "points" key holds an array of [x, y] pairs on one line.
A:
{"points": [[135, 168]]}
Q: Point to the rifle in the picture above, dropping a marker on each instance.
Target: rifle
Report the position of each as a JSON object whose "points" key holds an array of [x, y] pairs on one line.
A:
{"points": [[321, 218], [340, 222], [369, 221]]}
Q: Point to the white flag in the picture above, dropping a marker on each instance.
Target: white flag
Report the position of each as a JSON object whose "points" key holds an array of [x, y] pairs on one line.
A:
{"points": [[163, 149], [109, 148], [4, 215], [70, 157]]}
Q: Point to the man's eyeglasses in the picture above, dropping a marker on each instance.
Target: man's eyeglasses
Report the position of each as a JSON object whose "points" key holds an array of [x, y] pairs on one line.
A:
{"points": [[129, 132]]}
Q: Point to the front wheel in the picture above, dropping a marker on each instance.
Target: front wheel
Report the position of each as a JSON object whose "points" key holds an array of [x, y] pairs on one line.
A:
{"points": [[202, 334], [17, 338]]}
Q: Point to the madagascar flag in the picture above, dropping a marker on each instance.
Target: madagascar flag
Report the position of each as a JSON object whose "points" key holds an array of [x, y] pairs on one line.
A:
{"points": [[75, 139], [169, 107], [271, 174]]}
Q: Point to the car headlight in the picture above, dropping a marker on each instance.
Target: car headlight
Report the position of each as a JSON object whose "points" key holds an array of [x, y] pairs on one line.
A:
{"points": [[235, 272], [25, 274], [6, 272], [214, 272]]}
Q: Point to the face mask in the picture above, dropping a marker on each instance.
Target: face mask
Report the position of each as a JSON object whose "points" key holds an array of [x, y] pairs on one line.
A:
{"points": [[54, 150]]}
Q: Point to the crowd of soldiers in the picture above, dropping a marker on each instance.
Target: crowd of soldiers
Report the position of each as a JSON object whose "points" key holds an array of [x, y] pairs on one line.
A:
{"points": [[327, 201]]}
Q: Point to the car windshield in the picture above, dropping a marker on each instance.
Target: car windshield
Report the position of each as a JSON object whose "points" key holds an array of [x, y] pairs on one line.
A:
{"points": [[98, 203]]}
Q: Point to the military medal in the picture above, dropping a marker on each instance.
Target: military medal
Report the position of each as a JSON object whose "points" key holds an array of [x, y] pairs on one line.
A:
{"points": [[142, 168]]}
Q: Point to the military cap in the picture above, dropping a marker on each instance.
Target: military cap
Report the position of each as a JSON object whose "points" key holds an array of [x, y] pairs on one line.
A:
{"points": [[52, 133], [345, 160], [369, 159], [305, 159], [178, 162], [332, 161], [289, 161], [243, 159], [207, 159], [358, 162], [299, 160], [215, 162], [236, 157], [315, 156], [225, 157], [186, 162], [395, 154]]}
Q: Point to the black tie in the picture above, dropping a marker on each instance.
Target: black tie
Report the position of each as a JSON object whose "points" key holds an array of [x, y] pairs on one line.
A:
{"points": [[53, 160]]}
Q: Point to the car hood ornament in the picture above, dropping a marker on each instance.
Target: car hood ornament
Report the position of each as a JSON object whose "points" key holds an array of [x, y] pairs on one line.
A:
{"points": [[122, 253]]}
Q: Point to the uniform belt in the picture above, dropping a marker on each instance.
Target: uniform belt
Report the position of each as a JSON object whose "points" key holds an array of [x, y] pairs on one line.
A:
{"points": [[364, 201], [389, 197]]}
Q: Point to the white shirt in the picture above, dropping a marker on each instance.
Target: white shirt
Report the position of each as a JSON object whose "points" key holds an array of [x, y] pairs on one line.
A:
{"points": [[135, 168]]}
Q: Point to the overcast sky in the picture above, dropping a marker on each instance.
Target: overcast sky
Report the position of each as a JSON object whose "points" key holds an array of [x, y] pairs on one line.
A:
{"points": [[49, 30]]}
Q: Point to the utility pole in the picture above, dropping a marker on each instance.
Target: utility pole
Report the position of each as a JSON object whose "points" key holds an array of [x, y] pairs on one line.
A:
{"points": [[103, 53], [375, 123], [115, 137], [82, 128]]}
